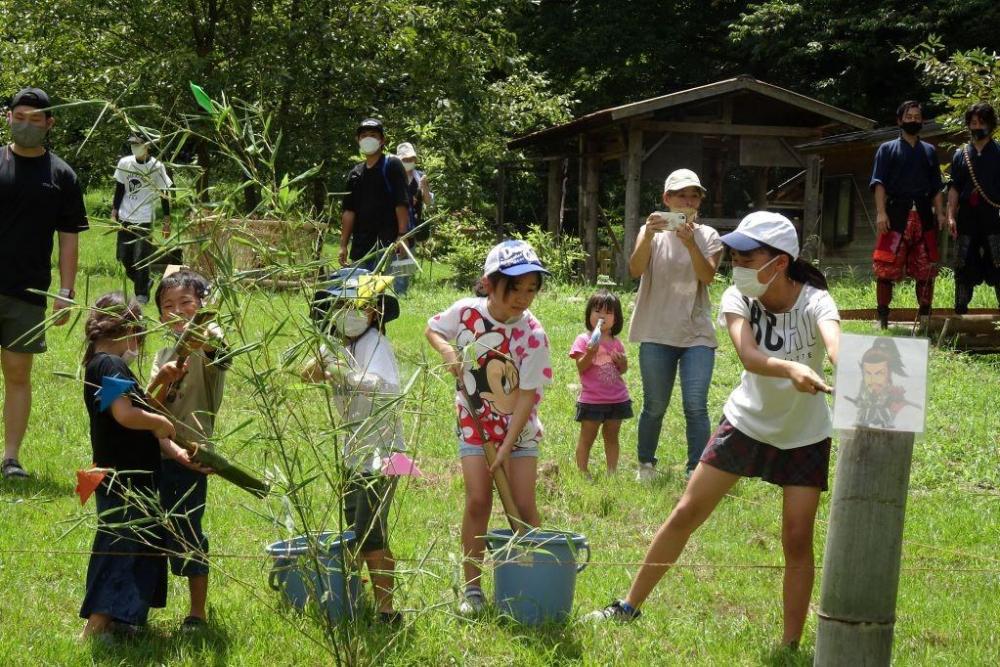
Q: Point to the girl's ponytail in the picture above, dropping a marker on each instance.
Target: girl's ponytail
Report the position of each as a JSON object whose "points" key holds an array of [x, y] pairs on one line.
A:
{"points": [[802, 271]]}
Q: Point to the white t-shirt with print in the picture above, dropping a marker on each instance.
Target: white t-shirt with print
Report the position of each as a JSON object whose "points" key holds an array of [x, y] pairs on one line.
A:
{"points": [[143, 181], [770, 409], [500, 358], [366, 393]]}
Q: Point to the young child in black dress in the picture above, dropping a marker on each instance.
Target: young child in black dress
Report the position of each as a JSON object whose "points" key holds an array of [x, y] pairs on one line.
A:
{"points": [[123, 582]]}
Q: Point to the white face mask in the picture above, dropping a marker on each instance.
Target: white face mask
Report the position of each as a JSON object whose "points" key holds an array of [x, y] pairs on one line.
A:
{"points": [[409, 166], [369, 145], [747, 283], [128, 356], [351, 323], [139, 151]]}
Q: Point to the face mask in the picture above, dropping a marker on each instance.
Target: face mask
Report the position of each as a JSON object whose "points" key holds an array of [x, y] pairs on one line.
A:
{"points": [[351, 323], [139, 151], [409, 166], [128, 356], [691, 213], [746, 280], [979, 133], [369, 145], [27, 135], [912, 127]]}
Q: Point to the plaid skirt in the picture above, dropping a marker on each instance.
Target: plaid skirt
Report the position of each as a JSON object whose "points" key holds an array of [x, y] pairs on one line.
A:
{"points": [[735, 452]]}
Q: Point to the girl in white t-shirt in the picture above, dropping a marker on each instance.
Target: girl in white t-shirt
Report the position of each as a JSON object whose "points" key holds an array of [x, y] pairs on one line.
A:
{"points": [[358, 361], [499, 354], [776, 423]]}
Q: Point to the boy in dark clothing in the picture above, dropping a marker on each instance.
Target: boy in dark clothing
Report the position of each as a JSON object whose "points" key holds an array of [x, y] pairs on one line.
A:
{"points": [[974, 207]]}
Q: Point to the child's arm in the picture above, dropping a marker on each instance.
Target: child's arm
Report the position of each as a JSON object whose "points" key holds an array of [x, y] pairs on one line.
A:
{"points": [[451, 361], [585, 359], [829, 331], [138, 419], [804, 378], [523, 404], [621, 361]]}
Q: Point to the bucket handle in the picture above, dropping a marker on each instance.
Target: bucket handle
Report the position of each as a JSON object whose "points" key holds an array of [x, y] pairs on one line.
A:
{"points": [[584, 547]]}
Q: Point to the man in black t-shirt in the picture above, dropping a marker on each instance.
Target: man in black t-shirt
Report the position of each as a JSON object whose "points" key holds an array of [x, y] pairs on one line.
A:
{"points": [[375, 209], [39, 196]]}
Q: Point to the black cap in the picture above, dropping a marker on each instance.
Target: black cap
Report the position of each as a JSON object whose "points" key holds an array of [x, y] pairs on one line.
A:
{"points": [[136, 138], [369, 124], [32, 97]]}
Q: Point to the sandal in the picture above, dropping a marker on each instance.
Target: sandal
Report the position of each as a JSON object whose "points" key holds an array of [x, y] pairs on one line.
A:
{"points": [[193, 624], [12, 469]]}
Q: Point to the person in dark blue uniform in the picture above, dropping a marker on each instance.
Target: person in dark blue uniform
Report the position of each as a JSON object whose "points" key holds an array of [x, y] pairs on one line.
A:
{"points": [[906, 179], [974, 207]]}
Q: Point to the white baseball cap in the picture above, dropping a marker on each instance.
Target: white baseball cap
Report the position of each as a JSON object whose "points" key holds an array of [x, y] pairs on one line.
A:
{"points": [[405, 150], [764, 228], [513, 258], [680, 179]]}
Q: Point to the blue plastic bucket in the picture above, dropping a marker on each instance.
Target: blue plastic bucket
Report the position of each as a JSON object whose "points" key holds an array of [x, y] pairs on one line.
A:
{"points": [[534, 576], [294, 574]]}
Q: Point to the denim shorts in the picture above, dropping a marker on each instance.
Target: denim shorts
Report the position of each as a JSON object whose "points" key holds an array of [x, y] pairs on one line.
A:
{"points": [[466, 449]]}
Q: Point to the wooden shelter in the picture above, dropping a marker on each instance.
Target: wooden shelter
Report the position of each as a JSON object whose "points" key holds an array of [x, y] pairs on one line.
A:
{"points": [[739, 122], [847, 204]]}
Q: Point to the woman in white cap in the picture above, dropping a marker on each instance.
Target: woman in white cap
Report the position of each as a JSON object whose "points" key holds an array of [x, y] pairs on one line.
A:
{"points": [[776, 423], [672, 318]]}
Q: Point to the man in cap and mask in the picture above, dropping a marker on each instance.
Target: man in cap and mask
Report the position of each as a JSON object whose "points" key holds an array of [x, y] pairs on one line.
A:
{"points": [[375, 209], [39, 197], [140, 179]]}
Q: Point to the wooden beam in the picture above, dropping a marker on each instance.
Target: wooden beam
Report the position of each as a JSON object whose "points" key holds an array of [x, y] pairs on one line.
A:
{"points": [[728, 129], [811, 226], [554, 197], [592, 193], [633, 188], [659, 142]]}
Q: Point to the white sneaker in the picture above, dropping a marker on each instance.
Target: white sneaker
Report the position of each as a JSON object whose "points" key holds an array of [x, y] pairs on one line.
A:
{"points": [[647, 472], [142, 299], [473, 603]]}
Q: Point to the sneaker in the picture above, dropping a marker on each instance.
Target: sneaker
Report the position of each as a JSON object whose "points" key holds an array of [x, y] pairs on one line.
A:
{"points": [[647, 471], [142, 299], [390, 618], [12, 469], [473, 603], [619, 611]]}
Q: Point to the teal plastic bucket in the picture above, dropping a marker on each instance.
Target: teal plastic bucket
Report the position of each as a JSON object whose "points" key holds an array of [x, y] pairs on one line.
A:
{"points": [[534, 576], [294, 574]]}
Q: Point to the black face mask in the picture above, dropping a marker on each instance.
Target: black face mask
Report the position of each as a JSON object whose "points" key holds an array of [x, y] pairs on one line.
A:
{"points": [[912, 127], [979, 133]]}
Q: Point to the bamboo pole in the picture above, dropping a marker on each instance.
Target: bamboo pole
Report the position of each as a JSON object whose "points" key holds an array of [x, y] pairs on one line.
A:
{"points": [[857, 610]]}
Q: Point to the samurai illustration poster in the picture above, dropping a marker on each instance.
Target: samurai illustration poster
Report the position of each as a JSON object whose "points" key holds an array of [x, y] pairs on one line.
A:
{"points": [[881, 383]]}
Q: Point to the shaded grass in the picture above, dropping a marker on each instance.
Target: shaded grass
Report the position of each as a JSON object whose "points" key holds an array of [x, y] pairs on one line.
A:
{"points": [[700, 614]]}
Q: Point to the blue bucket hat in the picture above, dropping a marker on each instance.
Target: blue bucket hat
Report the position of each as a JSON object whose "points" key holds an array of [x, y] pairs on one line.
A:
{"points": [[360, 286]]}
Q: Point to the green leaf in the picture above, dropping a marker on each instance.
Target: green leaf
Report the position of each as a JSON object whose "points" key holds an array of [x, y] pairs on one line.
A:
{"points": [[204, 101]]}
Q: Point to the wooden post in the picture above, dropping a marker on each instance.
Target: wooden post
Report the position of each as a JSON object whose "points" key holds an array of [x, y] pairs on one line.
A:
{"points": [[857, 609], [810, 218], [633, 192], [554, 197], [760, 188], [592, 197]]}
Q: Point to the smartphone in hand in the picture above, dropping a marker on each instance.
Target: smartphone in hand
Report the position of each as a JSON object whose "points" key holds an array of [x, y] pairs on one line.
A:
{"points": [[672, 221]]}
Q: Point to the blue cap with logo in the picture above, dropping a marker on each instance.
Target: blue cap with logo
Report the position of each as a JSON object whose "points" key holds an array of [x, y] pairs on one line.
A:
{"points": [[513, 258]]}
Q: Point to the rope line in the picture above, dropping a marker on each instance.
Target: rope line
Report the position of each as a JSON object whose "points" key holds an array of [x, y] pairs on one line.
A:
{"points": [[513, 561]]}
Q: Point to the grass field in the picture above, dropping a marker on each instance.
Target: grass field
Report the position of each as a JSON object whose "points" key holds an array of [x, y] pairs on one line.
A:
{"points": [[712, 609]]}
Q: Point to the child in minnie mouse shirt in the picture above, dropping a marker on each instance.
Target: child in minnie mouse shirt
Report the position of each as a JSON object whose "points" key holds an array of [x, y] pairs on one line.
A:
{"points": [[499, 354]]}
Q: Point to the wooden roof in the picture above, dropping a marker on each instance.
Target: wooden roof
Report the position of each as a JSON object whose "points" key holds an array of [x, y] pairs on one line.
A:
{"points": [[931, 130], [645, 108]]}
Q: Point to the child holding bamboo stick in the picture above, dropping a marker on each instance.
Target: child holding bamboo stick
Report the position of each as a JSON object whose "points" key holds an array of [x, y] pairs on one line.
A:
{"points": [[499, 354], [125, 576], [357, 359], [187, 382]]}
